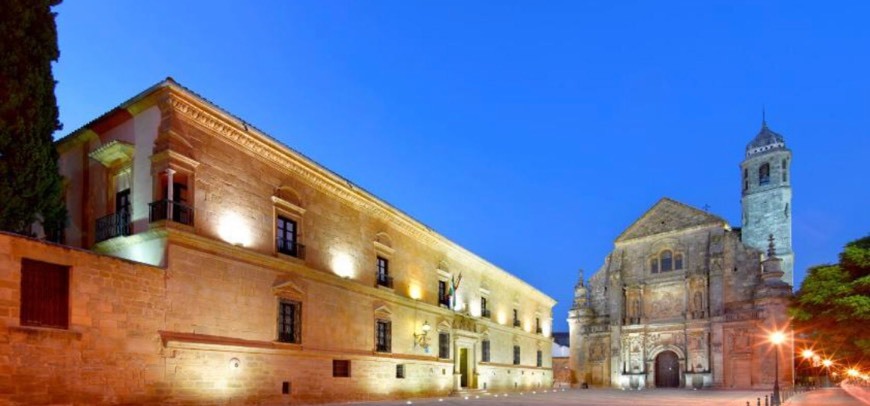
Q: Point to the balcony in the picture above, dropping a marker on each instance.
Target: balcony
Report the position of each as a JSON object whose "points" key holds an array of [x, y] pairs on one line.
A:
{"points": [[517, 323], [385, 280], [290, 247], [113, 225], [539, 330], [486, 313], [444, 301], [170, 210]]}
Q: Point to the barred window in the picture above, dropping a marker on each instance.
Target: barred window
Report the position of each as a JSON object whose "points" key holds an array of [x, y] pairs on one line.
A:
{"points": [[485, 350], [516, 355], [540, 358], [384, 338], [400, 371], [444, 345], [289, 321], [44, 294], [678, 261]]}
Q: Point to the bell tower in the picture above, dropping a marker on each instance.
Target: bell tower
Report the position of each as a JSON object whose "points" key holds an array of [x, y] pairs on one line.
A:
{"points": [[766, 185]]}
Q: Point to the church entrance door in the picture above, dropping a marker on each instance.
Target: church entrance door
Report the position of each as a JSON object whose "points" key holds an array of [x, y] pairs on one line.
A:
{"points": [[667, 370]]}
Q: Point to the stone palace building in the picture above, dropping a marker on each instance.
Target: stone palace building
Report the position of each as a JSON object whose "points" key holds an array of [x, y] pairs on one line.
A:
{"points": [[685, 300], [207, 263]]}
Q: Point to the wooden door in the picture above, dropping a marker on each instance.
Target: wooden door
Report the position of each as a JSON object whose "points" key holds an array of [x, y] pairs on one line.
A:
{"points": [[667, 370]]}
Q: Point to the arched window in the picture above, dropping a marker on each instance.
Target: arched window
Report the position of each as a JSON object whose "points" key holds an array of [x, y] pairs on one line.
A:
{"points": [[764, 174], [678, 262], [745, 179], [654, 265], [666, 259]]}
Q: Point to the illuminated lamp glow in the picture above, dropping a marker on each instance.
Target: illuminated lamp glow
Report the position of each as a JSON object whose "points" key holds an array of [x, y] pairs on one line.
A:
{"points": [[808, 353], [233, 229], [342, 265], [414, 291]]}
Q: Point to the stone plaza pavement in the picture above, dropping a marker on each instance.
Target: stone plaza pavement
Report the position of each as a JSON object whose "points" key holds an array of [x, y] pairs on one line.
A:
{"points": [[826, 397], [598, 397]]}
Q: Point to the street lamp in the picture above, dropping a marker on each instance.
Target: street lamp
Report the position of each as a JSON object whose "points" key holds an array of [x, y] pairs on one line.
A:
{"points": [[827, 364], [776, 338], [811, 358]]}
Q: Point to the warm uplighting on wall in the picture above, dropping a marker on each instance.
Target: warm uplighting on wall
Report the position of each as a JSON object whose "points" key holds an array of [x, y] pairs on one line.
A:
{"points": [[233, 229], [414, 291], [342, 265], [501, 317]]}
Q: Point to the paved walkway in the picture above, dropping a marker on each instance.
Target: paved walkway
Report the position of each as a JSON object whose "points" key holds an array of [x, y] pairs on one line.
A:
{"points": [[824, 397], [599, 397]]}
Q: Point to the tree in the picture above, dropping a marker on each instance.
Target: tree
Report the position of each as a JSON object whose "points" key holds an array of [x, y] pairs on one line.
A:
{"points": [[833, 304], [30, 184]]}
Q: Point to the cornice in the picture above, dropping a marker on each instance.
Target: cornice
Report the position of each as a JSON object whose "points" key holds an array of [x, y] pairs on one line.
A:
{"points": [[263, 147]]}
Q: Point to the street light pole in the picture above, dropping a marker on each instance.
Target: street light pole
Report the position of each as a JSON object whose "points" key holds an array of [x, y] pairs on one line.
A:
{"points": [[776, 338], [775, 400]]}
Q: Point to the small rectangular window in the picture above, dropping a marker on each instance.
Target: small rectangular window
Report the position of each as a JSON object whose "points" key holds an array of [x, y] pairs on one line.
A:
{"points": [[540, 358], [384, 338], [44, 294], [485, 350], [341, 368], [516, 318], [484, 309], [443, 345], [400, 371], [516, 355], [289, 321]]}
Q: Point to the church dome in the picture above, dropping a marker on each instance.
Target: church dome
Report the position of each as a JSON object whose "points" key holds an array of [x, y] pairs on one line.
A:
{"points": [[766, 140]]}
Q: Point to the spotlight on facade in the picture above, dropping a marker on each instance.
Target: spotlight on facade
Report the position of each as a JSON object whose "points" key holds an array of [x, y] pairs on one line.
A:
{"points": [[422, 339]]}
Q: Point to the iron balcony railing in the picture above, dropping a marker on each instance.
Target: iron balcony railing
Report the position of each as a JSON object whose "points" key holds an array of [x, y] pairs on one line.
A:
{"points": [[290, 247], [444, 301], [114, 225], [170, 210], [385, 280], [516, 323], [539, 330], [486, 313]]}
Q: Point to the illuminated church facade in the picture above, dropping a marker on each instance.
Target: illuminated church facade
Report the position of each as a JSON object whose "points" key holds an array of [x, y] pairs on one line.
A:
{"points": [[685, 300]]}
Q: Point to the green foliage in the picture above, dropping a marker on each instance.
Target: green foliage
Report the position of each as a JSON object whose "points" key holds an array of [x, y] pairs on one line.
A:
{"points": [[30, 185], [833, 304]]}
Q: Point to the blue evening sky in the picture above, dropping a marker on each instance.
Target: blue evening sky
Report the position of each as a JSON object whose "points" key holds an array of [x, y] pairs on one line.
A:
{"points": [[531, 133]]}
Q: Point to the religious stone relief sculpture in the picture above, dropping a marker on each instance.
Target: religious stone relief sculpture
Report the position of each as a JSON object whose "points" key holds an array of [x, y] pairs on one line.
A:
{"points": [[597, 350]]}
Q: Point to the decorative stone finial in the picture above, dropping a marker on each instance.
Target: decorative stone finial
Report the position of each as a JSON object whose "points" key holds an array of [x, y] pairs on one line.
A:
{"points": [[771, 247], [581, 279]]}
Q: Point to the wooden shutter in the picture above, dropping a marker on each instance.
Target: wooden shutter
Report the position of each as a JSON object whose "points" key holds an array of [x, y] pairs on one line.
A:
{"points": [[44, 294]]}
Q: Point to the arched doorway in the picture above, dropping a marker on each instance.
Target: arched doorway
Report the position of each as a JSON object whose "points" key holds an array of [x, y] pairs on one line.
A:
{"points": [[667, 370]]}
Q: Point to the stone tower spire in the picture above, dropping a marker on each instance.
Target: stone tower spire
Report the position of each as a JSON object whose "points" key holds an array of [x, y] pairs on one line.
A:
{"points": [[766, 186]]}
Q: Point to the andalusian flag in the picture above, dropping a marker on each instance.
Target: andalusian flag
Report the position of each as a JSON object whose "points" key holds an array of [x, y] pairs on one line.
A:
{"points": [[454, 284]]}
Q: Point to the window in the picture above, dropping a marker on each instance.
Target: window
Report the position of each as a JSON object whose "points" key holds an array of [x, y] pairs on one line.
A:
{"points": [[764, 174], [516, 355], [678, 261], [383, 276], [44, 294], [289, 321], [443, 345], [443, 299], [485, 349], [286, 237], [516, 318], [484, 311], [400, 371], [540, 358], [383, 338], [538, 325], [341, 368], [784, 171], [745, 179], [666, 259], [654, 265]]}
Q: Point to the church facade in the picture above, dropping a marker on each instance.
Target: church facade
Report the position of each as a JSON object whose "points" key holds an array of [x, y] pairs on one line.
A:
{"points": [[685, 300]]}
